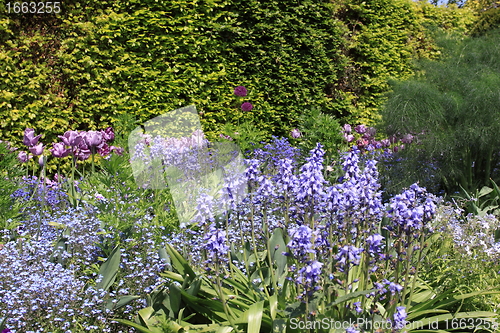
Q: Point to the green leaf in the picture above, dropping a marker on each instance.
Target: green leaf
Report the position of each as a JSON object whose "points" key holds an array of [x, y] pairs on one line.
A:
{"points": [[255, 317], [180, 264], [350, 296], [109, 269]]}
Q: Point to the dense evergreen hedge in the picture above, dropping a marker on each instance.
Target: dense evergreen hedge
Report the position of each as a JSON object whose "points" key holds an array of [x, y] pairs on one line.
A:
{"points": [[96, 60]]}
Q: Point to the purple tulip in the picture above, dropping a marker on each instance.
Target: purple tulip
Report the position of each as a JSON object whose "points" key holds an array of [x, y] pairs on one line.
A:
{"points": [[93, 139], [71, 138], [408, 138], [385, 142], [29, 137], [41, 160], [240, 91], [59, 150], [108, 134], [118, 150], [349, 137], [23, 156], [247, 106], [370, 133], [347, 128], [295, 133], [104, 150], [36, 150], [360, 129], [82, 154]]}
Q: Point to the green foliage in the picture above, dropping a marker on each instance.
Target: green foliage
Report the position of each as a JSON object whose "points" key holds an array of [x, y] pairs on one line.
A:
{"points": [[452, 107], [488, 22], [95, 61], [10, 210], [317, 127], [379, 37]]}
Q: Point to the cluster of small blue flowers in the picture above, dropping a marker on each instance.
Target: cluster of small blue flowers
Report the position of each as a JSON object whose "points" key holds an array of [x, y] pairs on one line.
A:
{"points": [[32, 188], [57, 283]]}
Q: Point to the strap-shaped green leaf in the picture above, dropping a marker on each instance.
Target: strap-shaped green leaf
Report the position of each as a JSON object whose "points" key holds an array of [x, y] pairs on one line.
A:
{"points": [[255, 317], [109, 269]]}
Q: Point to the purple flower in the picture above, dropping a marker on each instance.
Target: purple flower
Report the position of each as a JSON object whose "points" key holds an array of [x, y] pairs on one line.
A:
{"points": [[71, 138], [357, 306], [29, 137], [351, 330], [215, 242], [375, 241], [300, 241], [6, 330], [347, 128], [36, 150], [399, 318], [108, 134], [348, 254], [349, 137], [295, 133], [408, 138], [385, 143], [93, 139], [59, 150], [240, 91], [23, 156], [118, 150], [360, 129], [247, 106], [310, 274]]}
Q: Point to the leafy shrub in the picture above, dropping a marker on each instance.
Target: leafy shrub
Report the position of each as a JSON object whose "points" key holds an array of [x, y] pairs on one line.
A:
{"points": [[452, 110]]}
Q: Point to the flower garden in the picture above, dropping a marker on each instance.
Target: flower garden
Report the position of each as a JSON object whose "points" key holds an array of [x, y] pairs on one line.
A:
{"points": [[174, 233]]}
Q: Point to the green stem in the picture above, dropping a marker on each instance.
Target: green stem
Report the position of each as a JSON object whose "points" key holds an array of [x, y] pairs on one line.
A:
{"points": [[417, 266]]}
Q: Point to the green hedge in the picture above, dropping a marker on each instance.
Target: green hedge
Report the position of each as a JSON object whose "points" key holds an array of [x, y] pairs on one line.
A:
{"points": [[96, 60]]}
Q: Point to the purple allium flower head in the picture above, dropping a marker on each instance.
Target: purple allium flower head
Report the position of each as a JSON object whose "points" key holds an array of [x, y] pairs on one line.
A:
{"points": [[59, 150], [361, 129], [71, 138], [93, 139], [247, 106], [29, 137], [347, 129], [36, 150], [240, 91], [295, 133], [23, 156], [399, 318]]}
